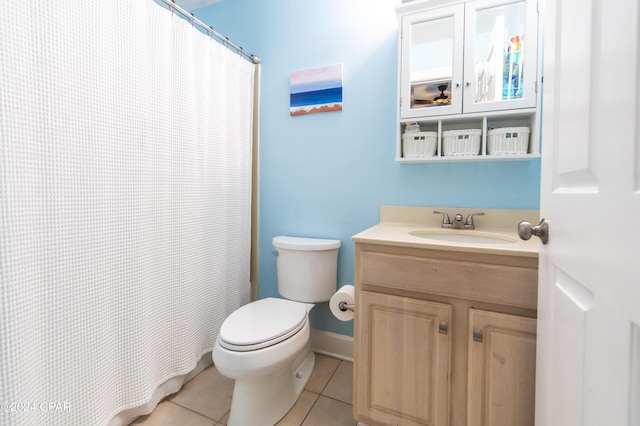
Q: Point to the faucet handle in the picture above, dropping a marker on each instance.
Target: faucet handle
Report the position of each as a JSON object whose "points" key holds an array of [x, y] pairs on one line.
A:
{"points": [[446, 222], [469, 222]]}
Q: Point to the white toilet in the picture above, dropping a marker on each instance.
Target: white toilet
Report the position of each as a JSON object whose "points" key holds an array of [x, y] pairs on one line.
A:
{"points": [[264, 345]]}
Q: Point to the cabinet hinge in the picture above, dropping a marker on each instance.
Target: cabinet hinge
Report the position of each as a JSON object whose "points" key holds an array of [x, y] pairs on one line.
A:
{"points": [[478, 335]]}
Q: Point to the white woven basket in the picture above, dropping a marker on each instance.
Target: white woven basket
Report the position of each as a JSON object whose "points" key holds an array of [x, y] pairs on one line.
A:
{"points": [[461, 142], [419, 144], [508, 141]]}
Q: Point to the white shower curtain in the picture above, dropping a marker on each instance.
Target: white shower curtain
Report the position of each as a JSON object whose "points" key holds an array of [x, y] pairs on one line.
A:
{"points": [[125, 163]]}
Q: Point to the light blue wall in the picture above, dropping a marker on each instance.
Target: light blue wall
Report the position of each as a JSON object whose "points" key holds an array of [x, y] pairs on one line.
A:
{"points": [[326, 175]]}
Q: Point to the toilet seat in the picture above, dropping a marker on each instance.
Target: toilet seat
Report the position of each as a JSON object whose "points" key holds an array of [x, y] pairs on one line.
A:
{"points": [[262, 323]]}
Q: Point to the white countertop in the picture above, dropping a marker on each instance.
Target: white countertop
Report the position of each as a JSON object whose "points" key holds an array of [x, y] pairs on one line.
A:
{"points": [[398, 222]]}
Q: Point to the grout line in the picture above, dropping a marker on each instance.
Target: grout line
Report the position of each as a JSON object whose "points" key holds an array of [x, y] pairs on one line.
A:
{"points": [[311, 408], [223, 416], [316, 401], [194, 411], [325, 386], [331, 377], [321, 394], [339, 400]]}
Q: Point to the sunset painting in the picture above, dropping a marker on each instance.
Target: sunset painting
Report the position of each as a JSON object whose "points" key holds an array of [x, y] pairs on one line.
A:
{"points": [[316, 90]]}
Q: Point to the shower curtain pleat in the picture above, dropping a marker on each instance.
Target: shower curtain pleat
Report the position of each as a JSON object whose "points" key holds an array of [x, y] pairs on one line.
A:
{"points": [[125, 179]]}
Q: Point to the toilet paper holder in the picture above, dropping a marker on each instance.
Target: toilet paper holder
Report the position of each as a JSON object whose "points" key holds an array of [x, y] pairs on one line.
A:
{"points": [[344, 306], [342, 303]]}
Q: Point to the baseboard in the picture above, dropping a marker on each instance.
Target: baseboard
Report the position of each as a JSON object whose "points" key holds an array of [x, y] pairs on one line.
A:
{"points": [[332, 344]]}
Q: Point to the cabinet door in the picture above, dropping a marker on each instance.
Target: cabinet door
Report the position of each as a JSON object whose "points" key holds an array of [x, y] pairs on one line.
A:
{"points": [[502, 369], [402, 359], [500, 55], [431, 62]]}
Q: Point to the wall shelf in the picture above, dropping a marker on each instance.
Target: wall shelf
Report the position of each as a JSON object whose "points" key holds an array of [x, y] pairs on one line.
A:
{"points": [[471, 158], [446, 38], [485, 121]]}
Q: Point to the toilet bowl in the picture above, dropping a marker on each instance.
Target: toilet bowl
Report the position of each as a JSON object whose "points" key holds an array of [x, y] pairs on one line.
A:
{"points": [[264, 346], [269, 374]]}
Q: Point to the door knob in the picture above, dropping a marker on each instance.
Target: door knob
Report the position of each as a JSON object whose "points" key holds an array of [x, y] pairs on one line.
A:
{"points": [[526, 230]]}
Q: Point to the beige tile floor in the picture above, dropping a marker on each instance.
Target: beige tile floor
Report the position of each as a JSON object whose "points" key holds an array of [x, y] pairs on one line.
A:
{"points": [[205, 400]]}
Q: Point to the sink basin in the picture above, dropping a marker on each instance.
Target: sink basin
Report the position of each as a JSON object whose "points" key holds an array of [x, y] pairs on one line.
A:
{"points": [[462, 236]]}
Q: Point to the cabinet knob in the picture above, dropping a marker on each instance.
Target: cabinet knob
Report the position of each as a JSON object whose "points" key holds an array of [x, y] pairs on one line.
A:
{"points": [[458, 84], [468, 84]]}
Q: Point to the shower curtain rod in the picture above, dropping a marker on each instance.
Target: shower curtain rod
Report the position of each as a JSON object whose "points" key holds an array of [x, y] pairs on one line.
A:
{"points": [[213, 33]]}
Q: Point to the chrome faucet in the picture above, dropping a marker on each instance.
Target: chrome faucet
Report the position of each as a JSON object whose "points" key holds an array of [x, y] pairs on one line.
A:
{"points": [[469, 224], [446, 222], [458, 223]]}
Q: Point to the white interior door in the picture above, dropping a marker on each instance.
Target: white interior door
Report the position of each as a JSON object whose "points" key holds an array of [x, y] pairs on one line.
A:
{"points": [[588, 359]]}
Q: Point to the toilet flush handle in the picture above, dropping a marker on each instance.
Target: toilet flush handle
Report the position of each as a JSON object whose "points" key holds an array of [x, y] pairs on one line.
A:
{"points": [[275, 253]]}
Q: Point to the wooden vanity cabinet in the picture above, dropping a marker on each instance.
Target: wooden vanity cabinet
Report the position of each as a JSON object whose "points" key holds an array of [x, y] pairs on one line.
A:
{"points": [[443, 337], [502, 366], [405, 369]]}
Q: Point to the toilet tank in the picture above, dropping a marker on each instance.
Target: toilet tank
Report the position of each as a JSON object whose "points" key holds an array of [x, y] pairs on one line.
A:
{"points": [[307, 268]]}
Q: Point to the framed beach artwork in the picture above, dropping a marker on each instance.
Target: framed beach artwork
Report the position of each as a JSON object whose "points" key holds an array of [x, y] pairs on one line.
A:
{"points": [[316, 90]]}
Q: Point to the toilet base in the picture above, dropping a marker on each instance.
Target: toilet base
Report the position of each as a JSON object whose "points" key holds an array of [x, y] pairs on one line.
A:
{"points": [[264, 399]]}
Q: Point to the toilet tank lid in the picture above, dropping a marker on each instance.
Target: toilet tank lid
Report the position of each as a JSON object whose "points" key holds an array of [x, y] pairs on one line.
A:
{"points": [[304, 243]]}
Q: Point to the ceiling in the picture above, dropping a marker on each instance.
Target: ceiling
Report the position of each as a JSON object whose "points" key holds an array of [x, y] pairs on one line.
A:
{"points": [[194, 4]]}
